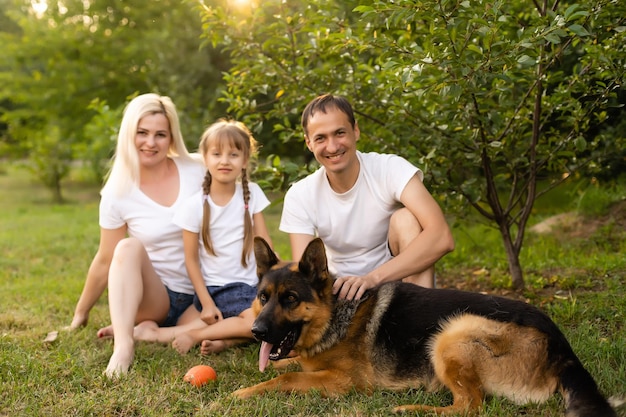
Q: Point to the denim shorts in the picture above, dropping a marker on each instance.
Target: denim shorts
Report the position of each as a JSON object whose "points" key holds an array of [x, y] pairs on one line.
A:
{"points": [[231, 299], [178, 304]]}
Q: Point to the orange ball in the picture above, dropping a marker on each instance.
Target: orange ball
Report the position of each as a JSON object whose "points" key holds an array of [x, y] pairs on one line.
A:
{"points": [[200, 375]]}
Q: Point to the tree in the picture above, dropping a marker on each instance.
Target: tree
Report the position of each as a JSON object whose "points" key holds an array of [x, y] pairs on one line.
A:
{"points": [[59, 60], [486, 96]]}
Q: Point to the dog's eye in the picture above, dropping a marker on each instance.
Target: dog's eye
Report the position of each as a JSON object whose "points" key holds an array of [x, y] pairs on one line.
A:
{"points": [[291, 299], [263, 298]]}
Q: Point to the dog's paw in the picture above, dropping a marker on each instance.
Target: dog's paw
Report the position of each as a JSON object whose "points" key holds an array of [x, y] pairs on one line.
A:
{"points": [[285, 363], [243, 393]]}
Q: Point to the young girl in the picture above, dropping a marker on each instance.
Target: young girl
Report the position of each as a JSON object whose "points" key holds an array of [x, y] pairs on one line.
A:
{"points": [[219, 224]]}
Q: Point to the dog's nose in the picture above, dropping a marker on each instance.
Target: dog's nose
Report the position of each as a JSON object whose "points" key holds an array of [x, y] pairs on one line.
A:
{"points": [[259, 331]]}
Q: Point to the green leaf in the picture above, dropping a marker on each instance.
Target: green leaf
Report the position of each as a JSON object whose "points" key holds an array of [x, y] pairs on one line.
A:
{"points": [[579, 30], [553, 38], [526, 61]]}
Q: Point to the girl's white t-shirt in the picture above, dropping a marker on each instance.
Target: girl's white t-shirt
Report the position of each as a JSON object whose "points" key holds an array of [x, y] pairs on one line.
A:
{"points": [[152, 224], [226, 235], [353, 225]]}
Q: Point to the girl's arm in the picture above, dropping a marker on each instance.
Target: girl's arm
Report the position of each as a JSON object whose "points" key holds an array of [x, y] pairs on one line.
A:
{"points": [[210, 313], [260, 229]]}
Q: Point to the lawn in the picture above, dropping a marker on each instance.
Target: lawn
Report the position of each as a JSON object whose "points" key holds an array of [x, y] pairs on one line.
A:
{"points": [[575, 274]]}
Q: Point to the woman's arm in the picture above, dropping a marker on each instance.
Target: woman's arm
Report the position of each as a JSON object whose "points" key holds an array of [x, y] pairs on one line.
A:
{"points": [[97, 275]]}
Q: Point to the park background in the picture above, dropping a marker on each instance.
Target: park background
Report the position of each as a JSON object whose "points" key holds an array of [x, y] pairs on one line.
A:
{"points": [[515, 113]]}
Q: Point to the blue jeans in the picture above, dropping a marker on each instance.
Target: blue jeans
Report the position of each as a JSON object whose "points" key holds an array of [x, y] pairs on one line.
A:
{"points": [[231, 299], [178, 304]]}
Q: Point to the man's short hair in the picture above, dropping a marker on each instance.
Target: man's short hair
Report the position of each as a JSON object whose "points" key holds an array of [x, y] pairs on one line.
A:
{"points": [[321, 103]]}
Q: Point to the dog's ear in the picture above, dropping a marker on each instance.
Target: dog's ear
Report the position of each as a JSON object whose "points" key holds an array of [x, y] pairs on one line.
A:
{"points": [[314, 262], [265, 256]]}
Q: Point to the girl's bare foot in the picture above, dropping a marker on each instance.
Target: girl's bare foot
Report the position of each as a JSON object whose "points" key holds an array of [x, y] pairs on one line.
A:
{"points": [[146, 331], [210, 347], [105, 332], [120, 362], [183, 343]]}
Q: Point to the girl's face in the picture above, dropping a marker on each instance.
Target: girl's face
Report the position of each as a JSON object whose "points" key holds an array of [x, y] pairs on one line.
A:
{"points": [[153, 139], [224, 162]]}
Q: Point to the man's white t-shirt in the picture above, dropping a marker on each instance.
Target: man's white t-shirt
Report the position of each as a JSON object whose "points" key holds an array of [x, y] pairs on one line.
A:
{"points": [[152, 224], [226, 235], [353, 225]]}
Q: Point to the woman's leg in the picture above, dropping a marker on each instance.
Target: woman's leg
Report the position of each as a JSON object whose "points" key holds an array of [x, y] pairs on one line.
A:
{"points": [[136, 294]]}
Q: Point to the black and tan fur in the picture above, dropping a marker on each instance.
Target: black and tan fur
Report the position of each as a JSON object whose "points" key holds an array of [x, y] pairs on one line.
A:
{"points": [[400, 336]]}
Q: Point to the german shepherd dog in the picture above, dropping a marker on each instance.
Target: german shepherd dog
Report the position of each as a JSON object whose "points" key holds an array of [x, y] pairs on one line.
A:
{"points": [[400, 335]]}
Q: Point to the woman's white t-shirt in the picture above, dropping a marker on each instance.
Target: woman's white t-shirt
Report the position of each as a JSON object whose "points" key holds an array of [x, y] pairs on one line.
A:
{"points": [[152, 224], [353, 225], [226, 235]]}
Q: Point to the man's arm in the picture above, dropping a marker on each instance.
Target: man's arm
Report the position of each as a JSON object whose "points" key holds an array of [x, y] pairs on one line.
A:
{"points": [[431, 243], [299, 243]]}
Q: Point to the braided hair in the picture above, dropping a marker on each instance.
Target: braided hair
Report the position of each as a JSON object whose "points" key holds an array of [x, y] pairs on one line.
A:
{"points": [[237, 135]]}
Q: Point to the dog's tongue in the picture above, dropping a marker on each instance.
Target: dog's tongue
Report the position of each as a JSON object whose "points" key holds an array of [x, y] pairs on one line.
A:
{"points": [[264, 355]]}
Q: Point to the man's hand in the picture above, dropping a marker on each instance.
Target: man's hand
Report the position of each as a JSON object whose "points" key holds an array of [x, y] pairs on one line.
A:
{"points": [[353, 288]]}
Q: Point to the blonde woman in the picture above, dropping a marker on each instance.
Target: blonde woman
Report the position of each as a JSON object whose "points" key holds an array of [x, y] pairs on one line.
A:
{"points": [[140, 256]]}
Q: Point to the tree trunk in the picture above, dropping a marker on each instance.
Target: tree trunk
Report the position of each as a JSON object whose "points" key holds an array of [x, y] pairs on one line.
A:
{"points": [[512, 255], [55, 188]]}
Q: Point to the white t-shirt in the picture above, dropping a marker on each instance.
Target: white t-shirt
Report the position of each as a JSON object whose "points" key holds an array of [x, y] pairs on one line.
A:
{"points": [[226, 235], [151, 223], [353, 225]]}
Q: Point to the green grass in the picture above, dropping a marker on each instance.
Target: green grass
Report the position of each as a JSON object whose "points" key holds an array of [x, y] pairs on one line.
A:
{"points": [[46, 250]]}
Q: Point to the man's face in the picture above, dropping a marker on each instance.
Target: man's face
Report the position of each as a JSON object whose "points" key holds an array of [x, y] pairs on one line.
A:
{"points": [[332, 139]]}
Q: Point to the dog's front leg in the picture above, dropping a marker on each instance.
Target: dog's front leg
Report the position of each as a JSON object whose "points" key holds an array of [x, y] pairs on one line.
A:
{"points": [[329, 383]]}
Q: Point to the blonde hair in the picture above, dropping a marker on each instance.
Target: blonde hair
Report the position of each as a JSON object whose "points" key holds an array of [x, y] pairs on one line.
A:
{"points": [[236, 135], [124, 172]]}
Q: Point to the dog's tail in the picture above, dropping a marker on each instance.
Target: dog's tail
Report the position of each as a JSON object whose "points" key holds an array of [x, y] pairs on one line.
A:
{"points": [[581, 394]]}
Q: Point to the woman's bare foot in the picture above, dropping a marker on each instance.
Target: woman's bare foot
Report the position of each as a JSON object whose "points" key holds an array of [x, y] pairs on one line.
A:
{"points": [[105, 332], [183, 343], [146, 331], [120, 362], [210, 347]]}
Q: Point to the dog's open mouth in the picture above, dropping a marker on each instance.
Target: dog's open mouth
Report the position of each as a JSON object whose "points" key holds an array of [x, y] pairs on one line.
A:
{"points": [[269, 351]]}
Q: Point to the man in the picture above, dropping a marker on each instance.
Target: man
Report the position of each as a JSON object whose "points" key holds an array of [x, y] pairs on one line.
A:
{"points": [[377, 219]]}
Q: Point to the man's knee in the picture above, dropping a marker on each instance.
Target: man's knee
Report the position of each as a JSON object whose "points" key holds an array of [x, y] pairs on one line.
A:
{"points": [[403, 228]]}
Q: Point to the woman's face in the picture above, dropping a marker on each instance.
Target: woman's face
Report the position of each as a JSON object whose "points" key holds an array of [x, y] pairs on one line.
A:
{"points": [[152, 139]]}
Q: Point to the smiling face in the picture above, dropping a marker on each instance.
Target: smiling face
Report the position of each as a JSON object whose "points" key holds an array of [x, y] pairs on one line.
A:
{"points": [[332, 139], [152, 139], [224, 161]]}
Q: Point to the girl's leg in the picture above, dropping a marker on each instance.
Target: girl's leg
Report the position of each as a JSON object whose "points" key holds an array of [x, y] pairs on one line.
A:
{"points": [[239, 327], [136, 293], [149, 331], [211, 347]]}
